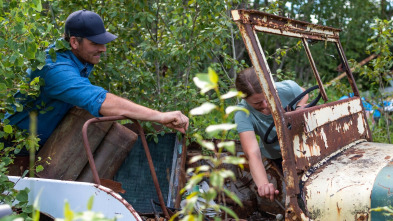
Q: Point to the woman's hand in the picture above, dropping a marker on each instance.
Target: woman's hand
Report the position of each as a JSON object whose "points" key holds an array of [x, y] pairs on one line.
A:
{"points": [[267, 191]]}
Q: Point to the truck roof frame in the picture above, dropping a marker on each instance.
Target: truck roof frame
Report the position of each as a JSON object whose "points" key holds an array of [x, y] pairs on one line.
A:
{"points": [[303, 134]]}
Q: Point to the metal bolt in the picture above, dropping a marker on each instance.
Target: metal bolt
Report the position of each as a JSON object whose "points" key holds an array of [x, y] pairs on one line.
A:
{"points": [[279, 217]]}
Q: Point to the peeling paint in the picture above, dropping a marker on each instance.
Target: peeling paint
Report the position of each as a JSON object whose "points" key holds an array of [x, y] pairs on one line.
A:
{"points": [[235, 15], [301, 149], [330, 114], [345, 182], [361, 127], [323, 135]]}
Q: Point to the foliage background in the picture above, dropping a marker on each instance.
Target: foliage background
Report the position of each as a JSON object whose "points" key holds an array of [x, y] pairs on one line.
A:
{"points": [[163, 44]]}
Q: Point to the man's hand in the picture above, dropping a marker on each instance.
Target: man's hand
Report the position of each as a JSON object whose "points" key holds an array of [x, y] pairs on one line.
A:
{"points": [[175, 120], [267, 191]]}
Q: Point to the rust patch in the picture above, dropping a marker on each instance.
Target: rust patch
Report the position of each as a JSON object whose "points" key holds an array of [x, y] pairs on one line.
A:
{"points": [[357, 156], [313, 146], [338, 209], [361, 216], [354, 151], [387, 157], [274, 23], [347, 187]]}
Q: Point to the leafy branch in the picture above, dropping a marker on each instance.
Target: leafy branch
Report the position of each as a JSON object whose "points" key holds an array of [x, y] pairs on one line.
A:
{"points": [[197, 203]]}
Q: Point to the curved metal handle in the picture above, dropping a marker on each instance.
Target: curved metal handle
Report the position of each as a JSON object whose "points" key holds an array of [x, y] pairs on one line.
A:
{"points": [[145, 146]]}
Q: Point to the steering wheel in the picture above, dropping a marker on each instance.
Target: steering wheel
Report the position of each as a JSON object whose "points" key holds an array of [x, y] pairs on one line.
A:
{"points": [[290, 108]]}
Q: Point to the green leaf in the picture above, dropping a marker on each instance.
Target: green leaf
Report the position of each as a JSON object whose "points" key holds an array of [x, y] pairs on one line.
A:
{"points": [[202, 168], [208, 145], [19, 61], [210, 195], [193, 181], [37, 5], [227, 174], [60, 44], [229, 211], [39, 168], [68, 214], [230, 94], [41, 56], [90, 203], [13, 57], [234, 160], [216, 180], [28, 209], [196, 158], [213, 76], [228, 145], [25, 173], [205, 108], [23, 195], [204, 83], [220, 127], [52, 54], [3, 88], [36, 215], [173, 218], [233, 196], [2, 41], [231, 109], [8, 129]]}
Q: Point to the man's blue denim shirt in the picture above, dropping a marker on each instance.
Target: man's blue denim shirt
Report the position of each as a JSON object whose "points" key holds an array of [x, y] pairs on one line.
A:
{"points": [[66, 85]]}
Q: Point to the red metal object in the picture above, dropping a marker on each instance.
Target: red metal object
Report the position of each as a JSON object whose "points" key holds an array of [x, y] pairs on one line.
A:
{"points": [[64, 145], [182, 177], [145, 146]]}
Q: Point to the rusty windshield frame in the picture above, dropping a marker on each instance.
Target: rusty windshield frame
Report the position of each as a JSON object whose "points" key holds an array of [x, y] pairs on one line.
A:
{"points": [[301, 130]]}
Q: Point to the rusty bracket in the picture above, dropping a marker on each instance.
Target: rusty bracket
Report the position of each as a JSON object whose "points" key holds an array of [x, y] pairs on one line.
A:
{"points": [[145, 146]]}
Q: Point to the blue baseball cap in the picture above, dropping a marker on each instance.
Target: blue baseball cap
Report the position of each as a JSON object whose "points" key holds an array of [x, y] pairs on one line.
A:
{"points": [[87, 24]]}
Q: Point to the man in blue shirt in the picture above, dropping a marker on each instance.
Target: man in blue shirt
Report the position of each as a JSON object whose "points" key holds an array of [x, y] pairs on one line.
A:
{"points": [[67, 83]]}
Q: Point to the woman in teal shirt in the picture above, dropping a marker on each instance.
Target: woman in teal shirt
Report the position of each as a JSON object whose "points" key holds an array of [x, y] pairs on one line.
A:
{"points": [[257, 123]]}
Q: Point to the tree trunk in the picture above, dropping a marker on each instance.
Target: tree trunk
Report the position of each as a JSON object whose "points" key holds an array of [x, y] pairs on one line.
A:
{"points": [[383, 9]]}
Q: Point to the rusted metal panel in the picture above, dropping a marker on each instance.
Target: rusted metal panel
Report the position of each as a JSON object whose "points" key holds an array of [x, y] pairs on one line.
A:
{"points": [[274, 24], [325, 114], [312, 137], [265, 78], [311, 147], [340, 189], [319, 131]]}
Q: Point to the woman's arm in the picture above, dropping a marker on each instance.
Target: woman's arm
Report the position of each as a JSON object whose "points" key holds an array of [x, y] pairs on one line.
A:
{"points": [[251, 149]]}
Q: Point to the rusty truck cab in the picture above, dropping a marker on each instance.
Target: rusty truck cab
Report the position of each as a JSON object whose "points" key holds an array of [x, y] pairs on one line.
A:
{"points": [[332, 169]]}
